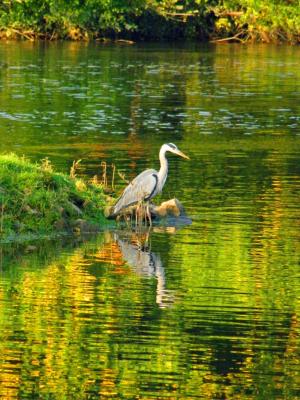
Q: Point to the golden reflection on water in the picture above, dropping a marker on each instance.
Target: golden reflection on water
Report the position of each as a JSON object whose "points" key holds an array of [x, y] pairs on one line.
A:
{"points": [[88, 323], [209, 312]]}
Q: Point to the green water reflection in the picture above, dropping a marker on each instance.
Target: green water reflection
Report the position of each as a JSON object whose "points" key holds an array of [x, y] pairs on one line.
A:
{"points": [[207, 311], [114, 319], [78, 100]]}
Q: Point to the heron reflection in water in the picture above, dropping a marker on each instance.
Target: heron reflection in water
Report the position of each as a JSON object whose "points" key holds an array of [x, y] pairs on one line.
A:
{"points": [[147, 184], [137, 254]]}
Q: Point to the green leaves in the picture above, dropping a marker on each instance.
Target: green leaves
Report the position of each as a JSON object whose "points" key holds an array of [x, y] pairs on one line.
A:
{"points": [[79, 19]]}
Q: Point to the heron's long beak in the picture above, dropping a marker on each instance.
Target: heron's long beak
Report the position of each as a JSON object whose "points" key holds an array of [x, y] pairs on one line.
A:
{"points": [[181, 154]]}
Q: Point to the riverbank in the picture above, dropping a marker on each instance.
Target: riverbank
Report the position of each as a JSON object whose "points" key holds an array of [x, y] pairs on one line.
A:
{"points": [[35, 199], [233, 20]]}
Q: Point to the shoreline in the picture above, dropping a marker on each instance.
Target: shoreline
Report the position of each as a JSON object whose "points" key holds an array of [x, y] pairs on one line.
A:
{"points": [[36, 200], [237, 21], [236, 38]]}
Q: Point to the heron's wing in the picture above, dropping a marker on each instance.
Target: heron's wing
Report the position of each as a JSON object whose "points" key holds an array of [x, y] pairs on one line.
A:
{"points": [[141, 188]]}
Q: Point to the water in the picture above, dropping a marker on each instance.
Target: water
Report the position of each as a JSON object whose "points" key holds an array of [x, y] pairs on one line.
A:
{"points": [[207, 311]]}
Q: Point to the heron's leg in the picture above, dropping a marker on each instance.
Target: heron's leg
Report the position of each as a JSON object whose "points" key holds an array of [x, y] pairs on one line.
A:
{"points": [[136, 210], [145, 213], [148, 213], [139, 214]]}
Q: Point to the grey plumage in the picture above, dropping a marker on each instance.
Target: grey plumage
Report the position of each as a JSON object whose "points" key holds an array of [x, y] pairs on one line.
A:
{"points": [[148, 183]]}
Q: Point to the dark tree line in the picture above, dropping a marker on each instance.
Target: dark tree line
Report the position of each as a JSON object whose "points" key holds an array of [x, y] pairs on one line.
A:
{"points": [[238, 20]]}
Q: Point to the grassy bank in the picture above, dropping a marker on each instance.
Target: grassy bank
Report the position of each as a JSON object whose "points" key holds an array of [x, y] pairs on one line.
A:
{"points": [[247, 20], [36, 199]]}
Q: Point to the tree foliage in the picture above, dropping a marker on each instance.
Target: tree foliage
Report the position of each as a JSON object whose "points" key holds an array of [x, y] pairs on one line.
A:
{"points": [[152, 19]]}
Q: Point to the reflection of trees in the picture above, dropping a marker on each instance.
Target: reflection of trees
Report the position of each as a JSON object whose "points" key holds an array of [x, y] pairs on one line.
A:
{"points": [[87, 321], [248, 249], [55, 327]]}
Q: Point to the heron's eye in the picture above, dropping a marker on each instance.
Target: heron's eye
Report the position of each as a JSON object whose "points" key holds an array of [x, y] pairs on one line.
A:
{"points": [[172, 145]]}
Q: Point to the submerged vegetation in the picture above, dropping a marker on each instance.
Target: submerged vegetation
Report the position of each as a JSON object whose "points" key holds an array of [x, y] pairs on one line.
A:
{"points": [[270, 21], [36, 199]]}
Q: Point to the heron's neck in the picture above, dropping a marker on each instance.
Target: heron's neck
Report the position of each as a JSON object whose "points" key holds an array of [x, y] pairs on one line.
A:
{"points": [[163, 172]]}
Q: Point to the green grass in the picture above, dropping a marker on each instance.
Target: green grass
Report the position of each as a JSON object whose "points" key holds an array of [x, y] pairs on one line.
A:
{"points": [[36, 199]]}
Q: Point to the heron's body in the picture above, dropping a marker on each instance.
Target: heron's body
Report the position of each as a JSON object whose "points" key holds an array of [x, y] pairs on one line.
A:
{"points": [[148, 183]]}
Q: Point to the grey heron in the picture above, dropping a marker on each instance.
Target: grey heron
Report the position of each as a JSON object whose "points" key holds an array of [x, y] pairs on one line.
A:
{"points": [[148, 183]]}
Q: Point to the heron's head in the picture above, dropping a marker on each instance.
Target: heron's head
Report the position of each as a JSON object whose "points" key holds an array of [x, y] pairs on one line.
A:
{"points": [[174, 149]]}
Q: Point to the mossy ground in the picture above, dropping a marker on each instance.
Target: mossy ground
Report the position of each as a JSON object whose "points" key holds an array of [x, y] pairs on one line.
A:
{"points": [[36, 199]]}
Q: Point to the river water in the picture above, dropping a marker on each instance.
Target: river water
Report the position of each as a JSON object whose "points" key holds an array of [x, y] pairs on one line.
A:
{"points": [[208, 310]]}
